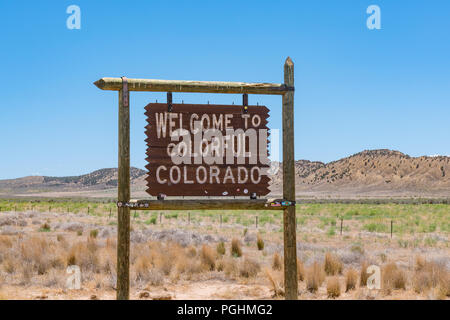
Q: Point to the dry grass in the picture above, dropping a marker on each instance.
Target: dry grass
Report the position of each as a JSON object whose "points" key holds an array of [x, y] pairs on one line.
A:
{"points": [[208, 257], [276, 287], [220, 248], [429, 275], [259, 242], [142, 268], [444, 286], [315, 276], [84, 255], [351, 277], [276, 262], [420, 264], [363, 274], [393, 277], [249, 268], [300, 270], [236, 249], [230, 267], [332, 264], [166, 255], [192, 252], [333, 287], [6, 242]]}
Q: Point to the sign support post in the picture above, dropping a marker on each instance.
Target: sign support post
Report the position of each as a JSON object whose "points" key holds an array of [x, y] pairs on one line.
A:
{"points": [[289, 221], [123, 232]]}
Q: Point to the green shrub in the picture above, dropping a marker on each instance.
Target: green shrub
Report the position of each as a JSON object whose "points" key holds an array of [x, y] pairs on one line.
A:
{"points": [[45, 227], [259, 242], [152, 220], [93, 233], [375, 227]]}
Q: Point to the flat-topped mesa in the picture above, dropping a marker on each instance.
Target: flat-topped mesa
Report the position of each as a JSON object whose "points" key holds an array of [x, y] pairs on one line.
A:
{"points": [[155, 85]]}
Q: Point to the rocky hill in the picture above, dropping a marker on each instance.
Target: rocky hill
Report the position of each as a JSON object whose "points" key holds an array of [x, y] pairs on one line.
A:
{"points": [[374, 172]]}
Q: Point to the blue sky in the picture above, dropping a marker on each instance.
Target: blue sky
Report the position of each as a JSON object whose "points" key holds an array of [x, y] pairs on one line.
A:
{"points": [[356, 88]]}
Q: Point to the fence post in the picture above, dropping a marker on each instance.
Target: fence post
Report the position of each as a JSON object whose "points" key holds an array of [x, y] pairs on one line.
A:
{"points": [[189, 218], [392, 222], [342, 222]]}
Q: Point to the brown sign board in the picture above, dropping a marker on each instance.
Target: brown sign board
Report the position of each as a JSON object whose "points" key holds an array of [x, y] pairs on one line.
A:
{"points": [[207, 150]]}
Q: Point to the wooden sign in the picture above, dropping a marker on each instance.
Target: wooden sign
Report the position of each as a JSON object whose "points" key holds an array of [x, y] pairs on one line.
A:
{"points": [[207, 150]]}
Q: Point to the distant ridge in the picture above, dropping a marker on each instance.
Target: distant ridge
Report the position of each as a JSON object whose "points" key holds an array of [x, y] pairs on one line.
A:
{"points": [[96, 180], [380, 172]]}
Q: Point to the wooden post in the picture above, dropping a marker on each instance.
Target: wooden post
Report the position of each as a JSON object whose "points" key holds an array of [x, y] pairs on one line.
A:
{"points": [[123, 212], [290, 237], [391, 227], [342, 222], [189, 218], [256, 222]]}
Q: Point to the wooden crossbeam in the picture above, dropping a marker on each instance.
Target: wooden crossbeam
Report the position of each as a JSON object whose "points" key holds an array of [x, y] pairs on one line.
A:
{"points": [[207, 204], [193, 86]]}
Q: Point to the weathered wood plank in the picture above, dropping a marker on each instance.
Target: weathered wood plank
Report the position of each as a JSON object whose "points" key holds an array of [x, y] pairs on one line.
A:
{"points": [[208, 204], [193, 86], [290, 247]]}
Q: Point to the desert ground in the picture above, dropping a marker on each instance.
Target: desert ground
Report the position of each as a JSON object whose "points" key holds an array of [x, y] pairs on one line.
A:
{"points": [[224, 254]]}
